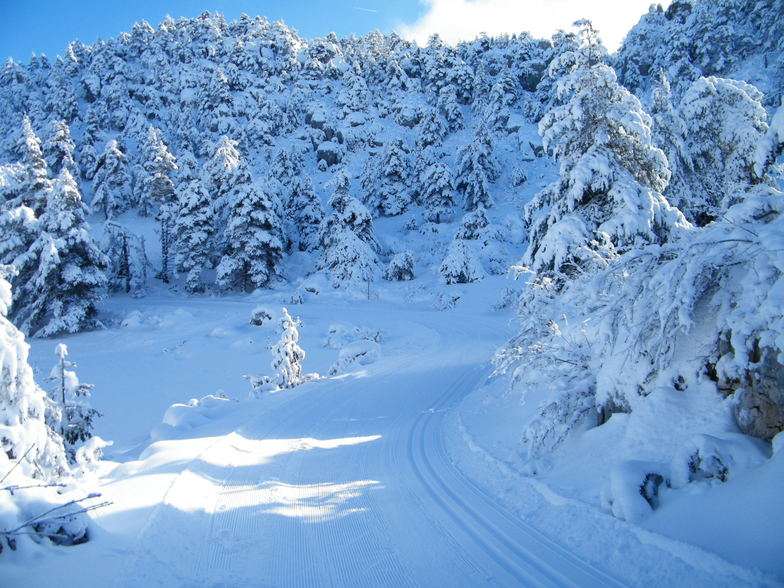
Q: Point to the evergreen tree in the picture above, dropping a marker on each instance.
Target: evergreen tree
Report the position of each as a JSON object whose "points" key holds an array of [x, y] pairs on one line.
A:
{"points": [[25, 443], [127, 271], [287, 355], [112, 192], [346, 238], [254, 240], [224, 170], [154, 185], [400, 268], [669, 134], [385, 181], [69, 412], [460, 266], [306, 214], [35, 185], [476, 168], [431, 130], [59, 148], [437, 192], [725, 122], [61, 275], [448, 104], [608, 197], [194, 232]]}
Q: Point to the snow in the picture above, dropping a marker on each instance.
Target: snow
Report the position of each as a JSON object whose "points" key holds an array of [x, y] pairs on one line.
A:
{"points": [[600, 445], [396, 472]]}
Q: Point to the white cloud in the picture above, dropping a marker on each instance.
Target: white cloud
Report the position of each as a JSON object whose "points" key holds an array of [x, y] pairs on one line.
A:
{"points": [[463, 20]]}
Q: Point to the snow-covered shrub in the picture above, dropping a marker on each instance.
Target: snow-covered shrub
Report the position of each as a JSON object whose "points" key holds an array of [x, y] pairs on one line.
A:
{"points": [[69, 412], [707, 458], [632, 490], [400, 268], [340, 335], [446, 300], [360, 352], [260, 316], [460, 266]]}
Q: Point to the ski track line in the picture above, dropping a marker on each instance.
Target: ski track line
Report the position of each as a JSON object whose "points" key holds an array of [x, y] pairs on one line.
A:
{"points": [[506, 537], [396, 448]]}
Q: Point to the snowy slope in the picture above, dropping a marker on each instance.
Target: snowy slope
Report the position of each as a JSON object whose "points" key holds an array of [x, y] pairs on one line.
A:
{"points": [[366, 478]]}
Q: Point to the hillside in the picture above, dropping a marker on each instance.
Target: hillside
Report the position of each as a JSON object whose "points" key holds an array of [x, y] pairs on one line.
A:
{"points": [[540, 292]]}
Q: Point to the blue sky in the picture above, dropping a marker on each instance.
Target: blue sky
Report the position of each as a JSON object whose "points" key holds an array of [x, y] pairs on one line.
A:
{"points": [[47, 26]]}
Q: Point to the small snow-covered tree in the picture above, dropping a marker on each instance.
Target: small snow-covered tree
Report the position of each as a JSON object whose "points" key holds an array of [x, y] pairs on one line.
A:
{"points": [[224, 170], [154, 187], [35, 184], [431, 130], [25, 441], [346, 238], [460, 266], [305, 212], [112, 192], [669, 135], [400, 268], [287, 355], [475, 225], [448, 105], [128, 263], [70, 414]]}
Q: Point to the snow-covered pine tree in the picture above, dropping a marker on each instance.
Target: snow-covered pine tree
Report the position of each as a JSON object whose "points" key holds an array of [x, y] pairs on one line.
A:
{"points": [[725, 122], [503, 95], [475, 225], [61, 275], [69, 412], [254, 240], [400, 268], [154, 187], [436, 192], [128, 263], [112, 193], [460, 266], [449, 106], [36, 184], [385, 181], [608, 197], [59, 148], [287, 355], [346, 238], [305, 212], [222, 172], [24, 437], [194, 230], [669, 135], [476, 169], [431, 130]]}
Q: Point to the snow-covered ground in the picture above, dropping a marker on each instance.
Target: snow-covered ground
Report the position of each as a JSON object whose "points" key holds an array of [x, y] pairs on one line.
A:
{"points": [[398, 470]]}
